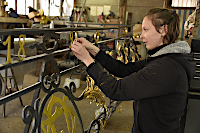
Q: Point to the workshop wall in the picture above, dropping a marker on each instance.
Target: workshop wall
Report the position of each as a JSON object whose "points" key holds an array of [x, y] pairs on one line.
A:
{"points": [[138, 8], [114, 4]]}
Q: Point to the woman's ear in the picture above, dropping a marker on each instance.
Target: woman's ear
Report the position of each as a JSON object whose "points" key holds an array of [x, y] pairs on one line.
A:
{"points": [[163, 30]]}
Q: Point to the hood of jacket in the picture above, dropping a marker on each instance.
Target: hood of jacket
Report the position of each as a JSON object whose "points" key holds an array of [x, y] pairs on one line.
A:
{"points": [[178, 47], [181, 52]]}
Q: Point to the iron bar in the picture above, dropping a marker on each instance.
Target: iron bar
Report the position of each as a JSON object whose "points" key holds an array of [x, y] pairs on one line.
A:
{"points": [[19, 93], [5, 85], [112, 39], [31, 59], [102, 24], [42, 56], [42, 31], [16, 86], [67, 70]]}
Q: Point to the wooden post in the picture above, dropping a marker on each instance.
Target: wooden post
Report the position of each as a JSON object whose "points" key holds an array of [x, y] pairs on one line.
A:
{"points": [[16, 5], [123, 10], [2, 8], [61, 7], [75, 3]]}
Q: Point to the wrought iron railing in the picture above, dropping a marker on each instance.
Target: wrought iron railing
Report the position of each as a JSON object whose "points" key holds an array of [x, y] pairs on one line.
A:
{"points": [[50, 83]]}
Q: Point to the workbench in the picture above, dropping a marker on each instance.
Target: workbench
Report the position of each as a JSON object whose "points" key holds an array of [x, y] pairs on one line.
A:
{"points": [[6, 20]]}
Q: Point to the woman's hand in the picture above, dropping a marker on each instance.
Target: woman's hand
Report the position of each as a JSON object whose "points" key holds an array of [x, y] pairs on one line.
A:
{"points": [[81, 52], [89, 46]]}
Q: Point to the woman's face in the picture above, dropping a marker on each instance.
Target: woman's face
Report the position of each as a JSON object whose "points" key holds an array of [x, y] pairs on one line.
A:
{"points": [[150, 36]]}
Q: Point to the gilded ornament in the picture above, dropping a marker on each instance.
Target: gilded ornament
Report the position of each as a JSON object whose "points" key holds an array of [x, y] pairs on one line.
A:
{"points": [[58, 112]]}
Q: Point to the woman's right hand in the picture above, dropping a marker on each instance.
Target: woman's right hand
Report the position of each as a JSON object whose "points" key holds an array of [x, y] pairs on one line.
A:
{"points": [[89, 46], [81, 53]]}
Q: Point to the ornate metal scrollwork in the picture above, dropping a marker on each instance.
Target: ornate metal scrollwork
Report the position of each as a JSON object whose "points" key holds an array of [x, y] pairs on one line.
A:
{"points": [[30, 115], [46, 45], [53, 80], [50, 84], [34, 115], [47, 42], [125, 50], [51, 117], [93, 93], [126, 54]]}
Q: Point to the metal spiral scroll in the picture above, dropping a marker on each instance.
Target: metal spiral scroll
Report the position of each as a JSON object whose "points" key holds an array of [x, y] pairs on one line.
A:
{"points": [[50, 84], [34, 115], [53, 80], [30, 115], [45, 42]]}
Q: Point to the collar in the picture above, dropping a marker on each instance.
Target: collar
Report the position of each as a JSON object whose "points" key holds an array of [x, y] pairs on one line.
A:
{"points": [[153, 51], [178, 47]]}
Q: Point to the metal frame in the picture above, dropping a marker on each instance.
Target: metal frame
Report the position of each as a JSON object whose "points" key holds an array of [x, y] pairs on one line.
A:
{"points": [[50, 83]]}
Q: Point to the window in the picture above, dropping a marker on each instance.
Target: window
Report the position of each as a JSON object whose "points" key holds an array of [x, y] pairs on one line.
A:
{"points": [[28, 3], [184, 3], [68, 7], [22, 6], [44, 4], [55, 7], [11, 4]]}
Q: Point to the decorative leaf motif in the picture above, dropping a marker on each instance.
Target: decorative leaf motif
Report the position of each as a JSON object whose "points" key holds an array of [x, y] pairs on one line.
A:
{"points": [[58, 112], [94, 94]]}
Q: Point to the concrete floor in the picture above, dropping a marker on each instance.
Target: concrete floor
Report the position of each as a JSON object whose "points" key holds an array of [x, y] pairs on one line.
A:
{"points": [[12, 123]]}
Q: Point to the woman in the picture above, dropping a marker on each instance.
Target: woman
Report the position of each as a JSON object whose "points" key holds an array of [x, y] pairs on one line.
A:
{"points": [[158, 84]]}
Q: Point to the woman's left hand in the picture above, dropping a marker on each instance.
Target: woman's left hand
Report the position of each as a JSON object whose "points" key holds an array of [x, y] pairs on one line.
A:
{"points": [[81, 53]]}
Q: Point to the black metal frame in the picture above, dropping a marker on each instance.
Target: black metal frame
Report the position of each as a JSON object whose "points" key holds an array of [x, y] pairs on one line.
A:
{"points": [[49, 83]]}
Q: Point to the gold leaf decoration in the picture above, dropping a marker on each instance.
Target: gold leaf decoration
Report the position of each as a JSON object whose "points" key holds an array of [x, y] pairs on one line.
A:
{"points": [[58, 112]]}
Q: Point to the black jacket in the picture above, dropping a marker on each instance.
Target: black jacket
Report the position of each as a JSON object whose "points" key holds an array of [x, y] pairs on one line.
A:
{"points": [[158, 85]]}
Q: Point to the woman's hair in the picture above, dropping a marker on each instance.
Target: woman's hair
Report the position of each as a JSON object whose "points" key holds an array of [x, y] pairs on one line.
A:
{"points": [[162, 17]]}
